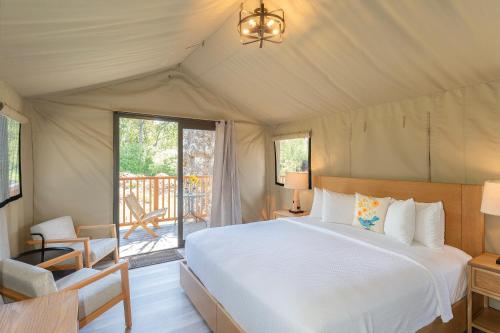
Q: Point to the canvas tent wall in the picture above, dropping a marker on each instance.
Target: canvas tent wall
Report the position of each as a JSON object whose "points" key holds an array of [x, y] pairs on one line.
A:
{"points": [[73, 150], [17, 217], [391, 141]]}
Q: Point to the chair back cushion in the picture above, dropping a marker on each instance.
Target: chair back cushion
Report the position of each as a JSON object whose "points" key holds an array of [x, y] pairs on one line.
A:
{"points": [[59, 228], [26, 279]]}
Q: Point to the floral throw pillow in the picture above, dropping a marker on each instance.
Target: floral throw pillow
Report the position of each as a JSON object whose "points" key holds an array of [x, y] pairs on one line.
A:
{"points": [[369, 212]]}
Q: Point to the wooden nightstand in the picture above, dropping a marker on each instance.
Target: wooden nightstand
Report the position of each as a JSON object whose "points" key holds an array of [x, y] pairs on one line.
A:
{"points": [[285, 213], [484, 278]]}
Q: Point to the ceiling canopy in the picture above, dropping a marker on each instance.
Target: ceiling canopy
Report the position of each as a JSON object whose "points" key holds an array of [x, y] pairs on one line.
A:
{"points": [[51, 45], [343, 55], [336, 55]]}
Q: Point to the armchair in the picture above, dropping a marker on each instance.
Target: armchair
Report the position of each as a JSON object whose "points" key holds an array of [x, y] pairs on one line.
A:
{"points": [[98, 291], [61, 232]]}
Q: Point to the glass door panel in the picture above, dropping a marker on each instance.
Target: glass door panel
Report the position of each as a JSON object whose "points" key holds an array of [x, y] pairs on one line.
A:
{"points": [[198, 161], [147, 183]]}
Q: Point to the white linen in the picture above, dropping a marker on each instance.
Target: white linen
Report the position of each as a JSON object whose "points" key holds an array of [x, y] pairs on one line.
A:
{"points": [[317, 205], [320, 277], [400, 221], [338, 207], [430, 224]]}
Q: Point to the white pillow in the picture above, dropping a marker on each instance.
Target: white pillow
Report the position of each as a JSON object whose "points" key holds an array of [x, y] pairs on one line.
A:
{"points": [[337, 207], [317, 205], [429, 224], [400, 221], [369, 212]]}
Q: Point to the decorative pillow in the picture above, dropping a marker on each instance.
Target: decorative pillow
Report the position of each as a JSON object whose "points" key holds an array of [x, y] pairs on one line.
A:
{"points": [[400, 221], [429, 224], [337, 207], [317, 205], [369, 212]]}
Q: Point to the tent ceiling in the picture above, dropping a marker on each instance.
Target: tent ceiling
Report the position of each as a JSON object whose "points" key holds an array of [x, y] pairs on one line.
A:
{"points": [[49, 46], [337, 55], [343, 55]]}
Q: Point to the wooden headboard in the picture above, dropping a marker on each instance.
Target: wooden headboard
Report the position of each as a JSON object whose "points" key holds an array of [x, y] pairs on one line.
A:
{"points": [[464, 227]]}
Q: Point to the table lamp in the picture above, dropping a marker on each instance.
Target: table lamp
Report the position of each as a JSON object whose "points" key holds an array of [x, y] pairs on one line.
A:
{"points": [[296, 181], [491, 200]]}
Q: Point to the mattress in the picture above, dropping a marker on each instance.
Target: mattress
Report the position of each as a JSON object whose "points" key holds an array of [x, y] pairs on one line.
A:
{"points": [[301, 275]]}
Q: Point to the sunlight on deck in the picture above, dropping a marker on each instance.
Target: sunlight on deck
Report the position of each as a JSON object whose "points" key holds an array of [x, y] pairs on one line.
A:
{"points": [[141, 242]]}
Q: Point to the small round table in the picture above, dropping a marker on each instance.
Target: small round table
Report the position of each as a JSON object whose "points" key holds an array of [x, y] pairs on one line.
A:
{"points": [[35, 257]]}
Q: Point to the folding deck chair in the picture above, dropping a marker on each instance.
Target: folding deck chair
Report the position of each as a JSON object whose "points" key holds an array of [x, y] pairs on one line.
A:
{"points": [[142, 219]]}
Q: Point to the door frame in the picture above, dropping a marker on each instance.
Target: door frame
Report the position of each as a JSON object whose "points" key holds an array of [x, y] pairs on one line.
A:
{"points": [[182, 123]]}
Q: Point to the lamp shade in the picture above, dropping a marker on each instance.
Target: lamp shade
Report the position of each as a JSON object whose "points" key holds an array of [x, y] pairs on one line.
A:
{"points": [[491, 198], [297, 180]]}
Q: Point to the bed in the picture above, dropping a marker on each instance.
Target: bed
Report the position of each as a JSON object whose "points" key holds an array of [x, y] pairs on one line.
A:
{"points": [[301, 275]]}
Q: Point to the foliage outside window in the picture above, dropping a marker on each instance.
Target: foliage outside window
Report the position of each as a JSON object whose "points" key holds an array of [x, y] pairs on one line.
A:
{"points": [[10, 164], [148, 147], [292, 154]]}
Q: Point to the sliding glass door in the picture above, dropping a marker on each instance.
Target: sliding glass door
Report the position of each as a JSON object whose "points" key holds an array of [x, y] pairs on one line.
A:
{"points": [[162, 180]]}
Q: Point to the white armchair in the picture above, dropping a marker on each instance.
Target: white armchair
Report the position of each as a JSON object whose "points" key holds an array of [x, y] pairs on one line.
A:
{"points": [[61, 232], [98, 291]]}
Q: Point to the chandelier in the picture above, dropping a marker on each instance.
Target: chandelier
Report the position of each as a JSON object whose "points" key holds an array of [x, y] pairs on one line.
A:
{"points": [[261, 25]]}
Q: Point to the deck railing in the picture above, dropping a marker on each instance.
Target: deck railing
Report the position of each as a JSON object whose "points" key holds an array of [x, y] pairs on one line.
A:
{"points": [[156, 192]]}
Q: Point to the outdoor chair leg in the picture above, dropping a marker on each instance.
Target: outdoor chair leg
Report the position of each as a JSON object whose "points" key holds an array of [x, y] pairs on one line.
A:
{"points": [[151, 232], [131, 230]]}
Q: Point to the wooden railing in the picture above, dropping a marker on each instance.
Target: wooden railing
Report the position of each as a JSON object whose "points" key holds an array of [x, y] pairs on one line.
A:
{"points": [[158, 192]]}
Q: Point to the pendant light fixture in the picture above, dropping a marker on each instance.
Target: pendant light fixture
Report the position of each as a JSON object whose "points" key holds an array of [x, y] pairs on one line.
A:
{"points": [[261, 25]]}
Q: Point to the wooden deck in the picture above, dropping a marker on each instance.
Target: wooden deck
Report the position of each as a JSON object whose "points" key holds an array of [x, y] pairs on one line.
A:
{"points": [[141, 242]]}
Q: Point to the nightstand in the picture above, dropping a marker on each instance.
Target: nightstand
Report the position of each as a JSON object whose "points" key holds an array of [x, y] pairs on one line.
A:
{"points": [[286, 213], [484, 278]]}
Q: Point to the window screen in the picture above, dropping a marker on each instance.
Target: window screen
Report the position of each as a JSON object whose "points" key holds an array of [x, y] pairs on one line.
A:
{"points": [[10, 165], [292, 153]]}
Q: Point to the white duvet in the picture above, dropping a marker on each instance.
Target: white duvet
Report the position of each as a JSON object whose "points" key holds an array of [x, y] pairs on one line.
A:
{"points": [[299, 275]]}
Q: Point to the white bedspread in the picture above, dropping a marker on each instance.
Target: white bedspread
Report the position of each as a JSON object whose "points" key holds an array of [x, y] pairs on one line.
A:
{"points": [[291, 276]]}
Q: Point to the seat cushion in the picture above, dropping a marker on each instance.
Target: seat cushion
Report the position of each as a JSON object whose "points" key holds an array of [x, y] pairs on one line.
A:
{"points": [[99, 248], [26, 279], [59, 228], [94, 295]]}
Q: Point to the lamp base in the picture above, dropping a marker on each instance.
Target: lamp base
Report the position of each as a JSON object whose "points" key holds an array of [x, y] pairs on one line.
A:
{"points": [[498, 261], [301, 211]]}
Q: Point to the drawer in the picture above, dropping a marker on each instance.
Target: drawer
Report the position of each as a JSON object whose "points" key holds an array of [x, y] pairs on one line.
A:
{"points": [[486, 281]]}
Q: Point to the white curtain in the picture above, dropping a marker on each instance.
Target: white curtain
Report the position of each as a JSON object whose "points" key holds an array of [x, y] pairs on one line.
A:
{"points": [[226, 202]]}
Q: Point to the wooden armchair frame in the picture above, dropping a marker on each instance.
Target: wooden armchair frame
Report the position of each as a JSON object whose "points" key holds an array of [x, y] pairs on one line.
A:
{"points": [[123, 296], [84, 240]]}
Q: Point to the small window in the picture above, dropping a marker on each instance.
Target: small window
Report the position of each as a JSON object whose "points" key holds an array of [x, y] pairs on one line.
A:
{"points": [[292, 153], [10, 165]]}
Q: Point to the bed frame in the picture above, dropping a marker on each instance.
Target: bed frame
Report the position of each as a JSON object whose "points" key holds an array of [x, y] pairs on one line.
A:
{"points": [[464, 229]]}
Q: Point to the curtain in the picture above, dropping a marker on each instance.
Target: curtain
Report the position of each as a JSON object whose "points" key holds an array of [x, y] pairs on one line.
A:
{"points": [[226, 202], [4, 159]]}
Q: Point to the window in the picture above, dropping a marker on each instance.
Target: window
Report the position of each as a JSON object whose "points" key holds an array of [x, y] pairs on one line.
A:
{"points": [[10, 164], [292, 154]]}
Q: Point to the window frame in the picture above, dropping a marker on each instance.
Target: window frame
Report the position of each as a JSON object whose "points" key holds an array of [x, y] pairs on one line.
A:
{"points": [[20, 194], [289, 137]]}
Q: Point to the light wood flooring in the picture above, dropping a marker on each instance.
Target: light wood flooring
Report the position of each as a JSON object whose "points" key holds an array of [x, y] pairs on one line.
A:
{"points": [[159, 305]]}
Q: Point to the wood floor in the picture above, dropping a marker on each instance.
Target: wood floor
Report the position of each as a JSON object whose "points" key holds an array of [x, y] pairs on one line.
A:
{"points": [[159, 305]]}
